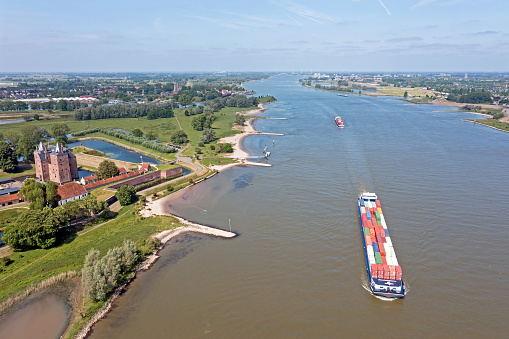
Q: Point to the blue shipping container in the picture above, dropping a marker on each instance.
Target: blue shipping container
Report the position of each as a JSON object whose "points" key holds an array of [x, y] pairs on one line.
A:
{"points": [[375, 247]]}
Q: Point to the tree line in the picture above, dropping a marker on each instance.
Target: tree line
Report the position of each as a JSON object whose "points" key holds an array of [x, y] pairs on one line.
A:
{"points": [[158, 146], [124, 111]]}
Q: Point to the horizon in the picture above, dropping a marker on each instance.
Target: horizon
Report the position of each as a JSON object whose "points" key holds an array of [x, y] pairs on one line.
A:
{"points": [[389, 36]]}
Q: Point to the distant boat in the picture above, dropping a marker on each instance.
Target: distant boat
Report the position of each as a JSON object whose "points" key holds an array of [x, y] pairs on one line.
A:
{"points": [[339, 122], [346, 95]]}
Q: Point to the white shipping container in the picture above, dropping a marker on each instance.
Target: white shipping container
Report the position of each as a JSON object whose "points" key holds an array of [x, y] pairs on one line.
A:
{"points": [[371, 260], [370, 250], [388, 241], [363, 209], [395, 261], [389, 260], [382, 221]]}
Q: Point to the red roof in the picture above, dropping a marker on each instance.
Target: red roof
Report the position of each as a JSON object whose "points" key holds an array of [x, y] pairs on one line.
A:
{"points": [[122, 170], [145, 166], [111, 180], [8, 198], [70, 189]]}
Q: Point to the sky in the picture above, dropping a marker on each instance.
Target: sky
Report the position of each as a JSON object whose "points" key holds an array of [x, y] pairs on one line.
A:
{"points": [[265, 35]]}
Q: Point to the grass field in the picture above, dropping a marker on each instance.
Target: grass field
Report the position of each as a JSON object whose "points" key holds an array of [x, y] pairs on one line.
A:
{"points": [[7, 215], [36, 265], [494, 123], [21, 170], [161, 126]]}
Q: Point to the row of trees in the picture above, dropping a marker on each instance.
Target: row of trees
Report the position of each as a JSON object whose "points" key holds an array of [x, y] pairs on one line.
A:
{"points": [[478, 97], [121, 111], [160, 147], [63, 105]]}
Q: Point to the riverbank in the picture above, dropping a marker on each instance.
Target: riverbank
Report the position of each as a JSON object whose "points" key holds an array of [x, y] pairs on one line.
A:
{"points": [[236, 141], [164, 237]]}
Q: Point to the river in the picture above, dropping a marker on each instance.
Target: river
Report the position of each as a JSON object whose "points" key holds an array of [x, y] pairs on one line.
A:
{"points": [[297, 269]]}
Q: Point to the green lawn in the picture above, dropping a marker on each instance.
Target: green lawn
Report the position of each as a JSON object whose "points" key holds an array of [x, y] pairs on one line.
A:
{"points": [[21, 170], [161, 126], [70, 256], [494, 123], [222, 125]]}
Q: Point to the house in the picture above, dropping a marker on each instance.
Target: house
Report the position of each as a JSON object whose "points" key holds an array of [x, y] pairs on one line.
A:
{"points": [[88, 180], [144, 167], [9, 199], [71, 191]]}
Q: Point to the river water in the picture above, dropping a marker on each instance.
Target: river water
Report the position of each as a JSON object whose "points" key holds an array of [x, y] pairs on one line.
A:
{"points": [[297, 269]]}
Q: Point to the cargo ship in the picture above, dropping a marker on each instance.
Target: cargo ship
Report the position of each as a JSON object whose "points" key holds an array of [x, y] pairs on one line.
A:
{"points": [[385, 276], [339, 122]]}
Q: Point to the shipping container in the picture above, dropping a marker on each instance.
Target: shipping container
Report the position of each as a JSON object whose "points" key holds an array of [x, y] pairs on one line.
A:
{"points": [[378, 258], [377, 202], [366, 231], [367, 240], [369, 249], [375, 247]]}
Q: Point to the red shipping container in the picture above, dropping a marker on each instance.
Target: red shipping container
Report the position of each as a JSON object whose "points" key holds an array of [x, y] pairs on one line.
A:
{"points": [[399, 273], [392, 275], [374, 271], [372, 232], [384, 260], [382, 237], [392, 268], [363, 216], [377, 202], [373, 221], [367, 223], [368, 240], [373, 239], [382, 232], [387, 275]]}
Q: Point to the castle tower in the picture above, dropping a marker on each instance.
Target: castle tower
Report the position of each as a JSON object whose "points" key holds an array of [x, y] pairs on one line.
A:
{"points": [[55, 163]]}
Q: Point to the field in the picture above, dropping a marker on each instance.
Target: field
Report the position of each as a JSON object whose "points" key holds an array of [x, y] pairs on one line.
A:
{"points": [[504, 126], [36, 265]]}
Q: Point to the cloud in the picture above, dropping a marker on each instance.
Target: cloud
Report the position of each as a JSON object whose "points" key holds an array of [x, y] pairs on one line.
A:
{"points": [[385, 7], [405, 39], [308, 13], [485, 33]]}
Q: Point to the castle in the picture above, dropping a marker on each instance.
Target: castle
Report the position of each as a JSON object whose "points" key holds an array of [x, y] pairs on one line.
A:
{"points": [[55, 163]]}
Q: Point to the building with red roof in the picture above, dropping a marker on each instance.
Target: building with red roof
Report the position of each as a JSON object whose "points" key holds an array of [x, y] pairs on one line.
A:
{"points": [[71, 191]]}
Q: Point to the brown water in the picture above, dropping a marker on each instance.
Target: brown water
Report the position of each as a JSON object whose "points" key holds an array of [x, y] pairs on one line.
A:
{"points": [[45, 316], [297, 269]]}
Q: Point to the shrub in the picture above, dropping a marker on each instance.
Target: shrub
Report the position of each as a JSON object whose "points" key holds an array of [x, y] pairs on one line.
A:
{"points": [[125, 195]]}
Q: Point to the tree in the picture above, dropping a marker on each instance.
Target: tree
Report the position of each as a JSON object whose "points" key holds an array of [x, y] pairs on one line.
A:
{"points": [[226, 148], [208, 135], [405, 95], [151, 135], [125, 195], [35, 193], [137, 132], [185, 100], [240, 119], [30, 137], [178, 137], [100, 275], [52, 196], [8, 158], [107, 169], [59, 131], [32, 229]]}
